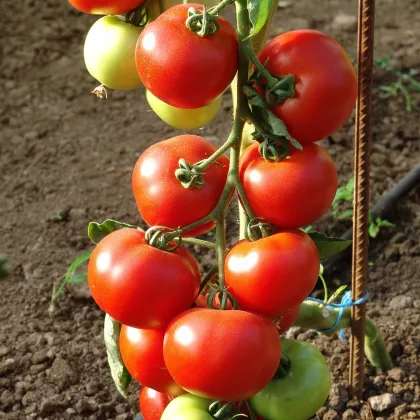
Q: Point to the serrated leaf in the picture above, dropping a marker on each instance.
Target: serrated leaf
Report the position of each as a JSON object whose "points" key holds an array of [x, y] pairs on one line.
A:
{"points": [[78, 278], [328, 246], [98, 231], [119, 372], [259, 11]]}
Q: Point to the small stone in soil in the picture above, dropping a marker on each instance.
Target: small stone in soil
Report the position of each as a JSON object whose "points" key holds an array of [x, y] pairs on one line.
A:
{"points": [[338, 397], [383, 402], [7, 366], [346, 23], [62, 374], [396, 374], [350, 415], [401, 302]]}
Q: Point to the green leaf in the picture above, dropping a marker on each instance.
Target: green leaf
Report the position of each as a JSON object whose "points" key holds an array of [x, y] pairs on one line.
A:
{"points": [[307, 228], [259, 10], [337, 293], [68, 278], [98, 231], [278, 128], [4, 266], [78, 278], [346, 214], [119, 372], [385, 223], [327, 246], [373, 230]]}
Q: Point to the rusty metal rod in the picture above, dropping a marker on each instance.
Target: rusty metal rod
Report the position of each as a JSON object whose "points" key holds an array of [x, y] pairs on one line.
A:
{"points": [[361, 191]]}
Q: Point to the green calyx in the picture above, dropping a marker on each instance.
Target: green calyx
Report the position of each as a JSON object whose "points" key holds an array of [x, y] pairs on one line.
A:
{"points": [[188, 175], [163, 238], [258, 228], [203, 24], [284, 367]]}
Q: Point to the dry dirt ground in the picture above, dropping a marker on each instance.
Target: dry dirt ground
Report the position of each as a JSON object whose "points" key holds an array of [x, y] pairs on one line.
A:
{"points": [[64, 151]]}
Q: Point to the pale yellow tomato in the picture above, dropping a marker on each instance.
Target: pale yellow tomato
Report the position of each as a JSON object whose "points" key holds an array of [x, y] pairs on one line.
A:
{"points": [[184, 119], [110, 53]]}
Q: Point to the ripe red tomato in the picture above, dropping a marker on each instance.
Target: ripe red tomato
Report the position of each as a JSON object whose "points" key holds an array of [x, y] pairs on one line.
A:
{"points": [[274, 274], [326, 83], [287, 319], [139, 285], [142, 354], [153, 403], [221, 355], [207, 67], [293, 192], [106, 7], [160, 197]]}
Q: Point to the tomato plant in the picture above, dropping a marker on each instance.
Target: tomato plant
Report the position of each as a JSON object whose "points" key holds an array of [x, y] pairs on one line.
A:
{"points": [[161, 199], [302, 388], [325, 87], [293, 192], [142, 354], [109, 53], [274, 274], [184, 119], [106, 7], [180, 83], [139, 285], [302, 90], [250, 357], [187, 407], [152, 403]]}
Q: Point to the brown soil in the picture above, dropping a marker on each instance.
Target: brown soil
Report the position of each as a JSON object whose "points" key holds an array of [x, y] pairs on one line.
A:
{"points": [[63, 150]]}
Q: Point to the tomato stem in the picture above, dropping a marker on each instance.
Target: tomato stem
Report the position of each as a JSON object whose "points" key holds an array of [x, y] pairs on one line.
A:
{"points": [[200, 242], [218, 8]]}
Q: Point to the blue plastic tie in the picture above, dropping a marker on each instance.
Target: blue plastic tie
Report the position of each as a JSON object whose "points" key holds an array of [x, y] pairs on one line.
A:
{"points": [[346, 302]]}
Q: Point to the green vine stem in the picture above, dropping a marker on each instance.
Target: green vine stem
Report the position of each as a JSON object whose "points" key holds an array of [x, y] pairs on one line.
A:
{"points": [[312, 315]]}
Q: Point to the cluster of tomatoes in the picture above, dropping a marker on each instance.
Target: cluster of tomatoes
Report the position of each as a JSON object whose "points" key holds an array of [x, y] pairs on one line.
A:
{"points": [[184, 353]]}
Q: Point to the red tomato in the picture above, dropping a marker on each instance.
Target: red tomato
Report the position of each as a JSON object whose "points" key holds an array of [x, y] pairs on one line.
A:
{"points": [[326, 83], [207, 67], [142, 354], [160, 197], [221, 355], [274, 274], [152, 403], [287, 319], [139, 285], [106, 7], [293, 192]]}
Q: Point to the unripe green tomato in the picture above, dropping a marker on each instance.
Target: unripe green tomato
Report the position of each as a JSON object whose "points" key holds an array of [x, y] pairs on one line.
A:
{"points": [[110, 53], [184, 119], [187, 407], [154, 10]]}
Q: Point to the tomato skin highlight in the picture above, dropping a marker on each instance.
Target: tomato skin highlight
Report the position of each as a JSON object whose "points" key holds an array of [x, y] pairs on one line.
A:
{"points": [[293, 192], [302, 392], [138, 285], [326, 83], [208, 64], [152, 403], [230, 354], [142, 354], [273, 274], [160, 197], [105, 7], [109, 53], [184, 119]]}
